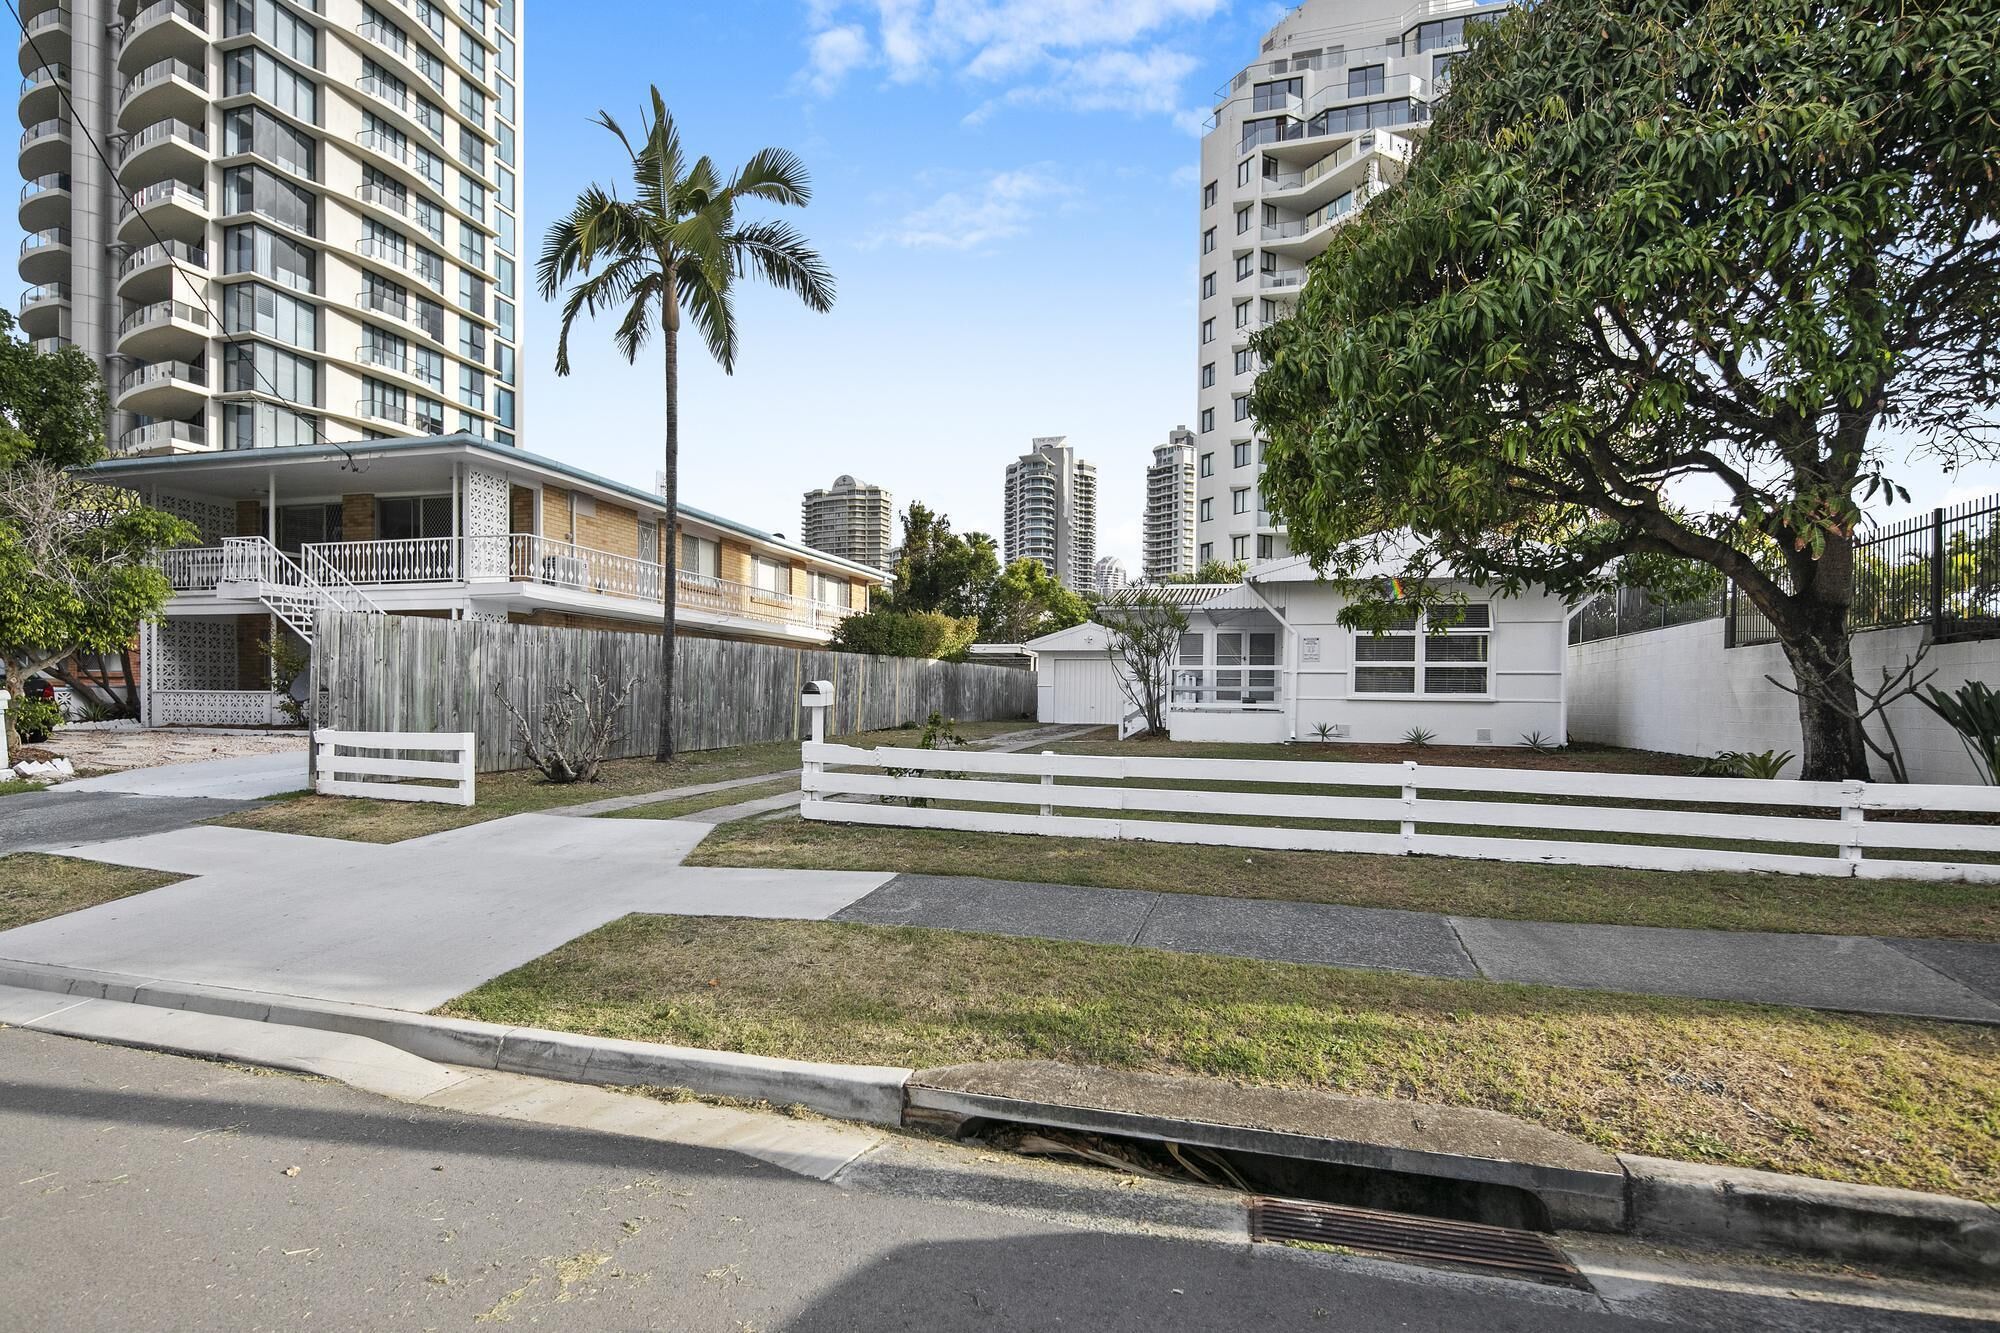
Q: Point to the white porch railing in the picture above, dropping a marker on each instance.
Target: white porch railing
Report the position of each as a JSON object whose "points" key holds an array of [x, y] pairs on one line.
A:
{"points": [[411, 560], [192, 568], [1240, 686]]}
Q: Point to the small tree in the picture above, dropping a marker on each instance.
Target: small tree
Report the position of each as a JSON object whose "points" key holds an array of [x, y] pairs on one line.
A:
{"points": [[1145, 631], [939, 570], [890, 633], [1026, 602], [569, 742]]}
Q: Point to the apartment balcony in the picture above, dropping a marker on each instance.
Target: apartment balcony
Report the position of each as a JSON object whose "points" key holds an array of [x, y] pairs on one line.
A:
{"points": [[45, 256], [1338, 171], [165, 90], [399, 205], [163, 150], [163, 389], [165, 331], [397, 153], [45, 202], [42, 93], [169, 209], [402, 261], [1307, 236], [414, 420], [45, 39], [146, 275], [166, 30], [164, 437], [45, 147], [1284, 280], [428, 324], [408, 115], [381, 359], [45, 310]]}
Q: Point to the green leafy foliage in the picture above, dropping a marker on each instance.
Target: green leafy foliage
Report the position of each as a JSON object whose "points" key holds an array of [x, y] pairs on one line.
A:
{"points": [[1973, 711], [1213, 571], [890, 633], [1143, 637], [1648, 249], [1419, 737], [35, 720], [1026, 602], [287, 659], [1763, 765]]}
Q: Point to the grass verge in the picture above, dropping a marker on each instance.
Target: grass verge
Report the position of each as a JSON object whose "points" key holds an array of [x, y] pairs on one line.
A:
{"points": [[15, 786], [35, 887], [1512, 890], [525, 791], [1879, 1101]]}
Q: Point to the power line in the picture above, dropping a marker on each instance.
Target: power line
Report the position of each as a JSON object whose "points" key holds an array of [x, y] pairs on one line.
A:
{"points": [[196, 286]]}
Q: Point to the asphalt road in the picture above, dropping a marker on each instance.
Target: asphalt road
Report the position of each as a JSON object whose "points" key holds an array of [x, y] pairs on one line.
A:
{"points": [[141, 1191], [50, 821]]}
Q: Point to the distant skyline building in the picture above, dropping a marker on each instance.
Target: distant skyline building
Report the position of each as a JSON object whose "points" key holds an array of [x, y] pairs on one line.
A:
{"points": [[1110, 574], [1322, 122], [852, 520], [1168, 529], [1051, 512]]}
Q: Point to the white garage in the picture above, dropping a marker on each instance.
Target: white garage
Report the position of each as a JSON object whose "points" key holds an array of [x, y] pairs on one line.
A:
{"points": [[1076, 680]]}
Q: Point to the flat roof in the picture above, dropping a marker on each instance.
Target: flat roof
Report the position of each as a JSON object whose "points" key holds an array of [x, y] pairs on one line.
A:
{"points": [[164, 465]]}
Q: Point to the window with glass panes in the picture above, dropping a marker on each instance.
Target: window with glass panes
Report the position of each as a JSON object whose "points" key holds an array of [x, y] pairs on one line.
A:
{"points": [[1420, 655]]}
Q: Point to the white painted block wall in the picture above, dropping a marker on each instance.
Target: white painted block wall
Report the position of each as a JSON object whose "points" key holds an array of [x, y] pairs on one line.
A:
{"points": [[1679, 690]]}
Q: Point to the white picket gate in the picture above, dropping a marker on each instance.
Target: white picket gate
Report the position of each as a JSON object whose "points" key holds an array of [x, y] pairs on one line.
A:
{"points": [[339, 773], [1667, 808]]}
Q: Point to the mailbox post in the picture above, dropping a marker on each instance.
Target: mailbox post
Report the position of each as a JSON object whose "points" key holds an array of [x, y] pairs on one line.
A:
{"points": [[4, 700], [817, 700]]}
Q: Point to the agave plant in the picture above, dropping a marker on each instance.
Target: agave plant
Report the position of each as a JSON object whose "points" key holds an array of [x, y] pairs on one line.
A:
{"points": [[1539, 743], [1323, 732], [1973, 711], [1418, 737]]}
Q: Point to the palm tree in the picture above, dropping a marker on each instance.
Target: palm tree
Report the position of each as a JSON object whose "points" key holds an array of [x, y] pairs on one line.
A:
{"points": [[676, 249]]}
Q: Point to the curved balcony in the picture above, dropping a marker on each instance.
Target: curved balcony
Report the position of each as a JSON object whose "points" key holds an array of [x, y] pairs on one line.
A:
{"points": [[401, 260], [45, 256], [45, 310], [170, 209], [164, 437], [164, 331], [163, 389], [163, 31], [401, 157], [45, 148], [147, 274], [166, 90], [45, 39], [408, 114], [164, 149], [45, 201], [379, 359], [42, 93], [427, 324], [48, 346], [418, 420]]}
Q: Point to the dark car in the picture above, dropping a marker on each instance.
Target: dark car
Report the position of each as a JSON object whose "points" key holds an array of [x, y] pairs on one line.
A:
{"points": [[39, 687]]}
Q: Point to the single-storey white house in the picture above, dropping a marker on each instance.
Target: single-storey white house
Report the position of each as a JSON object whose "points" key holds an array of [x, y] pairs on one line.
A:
{"points": [[1268, 660]]}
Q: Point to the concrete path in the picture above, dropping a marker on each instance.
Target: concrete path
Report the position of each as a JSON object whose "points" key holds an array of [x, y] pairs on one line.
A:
{"points": [[1923, 978], [408, 925], [55, 820], [245, 778]]}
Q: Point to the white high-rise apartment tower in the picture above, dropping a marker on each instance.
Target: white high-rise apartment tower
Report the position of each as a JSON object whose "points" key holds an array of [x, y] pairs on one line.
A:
{"points": [[1168, 530], [852, 520], [1109, 575], [1051, 512], [1323, 121], [309, 225]]}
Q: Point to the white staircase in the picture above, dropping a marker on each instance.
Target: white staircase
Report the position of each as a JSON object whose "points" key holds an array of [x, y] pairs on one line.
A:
{"points": [[294, 589]]}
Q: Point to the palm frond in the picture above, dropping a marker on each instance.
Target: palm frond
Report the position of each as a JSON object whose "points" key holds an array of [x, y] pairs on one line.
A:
{"points": [[712, 309], [775, 175], [781, 257]]}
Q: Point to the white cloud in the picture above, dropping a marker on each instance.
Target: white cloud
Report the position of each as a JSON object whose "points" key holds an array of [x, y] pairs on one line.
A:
{"points": [[999, 207], [1086, 55]]}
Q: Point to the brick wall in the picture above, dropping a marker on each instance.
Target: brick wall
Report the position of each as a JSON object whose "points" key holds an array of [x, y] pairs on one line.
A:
{"points": [[357, 518], [521, 509], [249, 519]]}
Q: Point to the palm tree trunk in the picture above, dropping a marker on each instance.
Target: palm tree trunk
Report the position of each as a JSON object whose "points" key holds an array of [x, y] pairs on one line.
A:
{"points": [[670, 336]]}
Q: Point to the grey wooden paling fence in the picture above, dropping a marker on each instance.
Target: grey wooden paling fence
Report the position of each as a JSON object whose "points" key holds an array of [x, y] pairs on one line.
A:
{"points": [[409, 673]]}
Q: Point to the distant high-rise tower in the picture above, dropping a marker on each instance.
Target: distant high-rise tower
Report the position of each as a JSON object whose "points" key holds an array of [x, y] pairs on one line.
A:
{"points": [[1111, 574], [852, 520], [1052, 512], [1322, 122], [273, 224], [1168, 530]]}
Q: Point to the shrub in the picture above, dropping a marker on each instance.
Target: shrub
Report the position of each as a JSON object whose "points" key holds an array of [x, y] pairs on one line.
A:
{"points": [[907, 634], [1419, 737], [35, 719]]}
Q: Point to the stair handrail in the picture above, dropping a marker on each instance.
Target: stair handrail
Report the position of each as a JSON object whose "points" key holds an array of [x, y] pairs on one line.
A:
{"points": [[335, 578], [256, 560]]}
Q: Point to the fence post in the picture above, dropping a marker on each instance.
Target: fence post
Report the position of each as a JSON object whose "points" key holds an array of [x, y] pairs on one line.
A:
{"points": [[1937, 571], [1729, 615], [1851, 816], [1409, 806], [1049, 782]]}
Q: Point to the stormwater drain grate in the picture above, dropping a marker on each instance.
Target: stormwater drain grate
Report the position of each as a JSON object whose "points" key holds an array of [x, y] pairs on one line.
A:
{"points": [[1499, 1251]]}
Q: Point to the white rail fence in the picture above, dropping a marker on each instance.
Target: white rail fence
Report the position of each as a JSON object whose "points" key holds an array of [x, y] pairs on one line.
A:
{"points": [[1663, 829], [338, 772]]}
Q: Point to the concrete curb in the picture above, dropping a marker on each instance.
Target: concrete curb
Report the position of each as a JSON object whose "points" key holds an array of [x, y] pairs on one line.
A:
{"points": [[1666, 1200], [867, 1093]]}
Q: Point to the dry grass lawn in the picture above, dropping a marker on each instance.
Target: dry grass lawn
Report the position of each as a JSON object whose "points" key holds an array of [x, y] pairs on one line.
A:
{"points": [[1881, 1101], [34, 887]]}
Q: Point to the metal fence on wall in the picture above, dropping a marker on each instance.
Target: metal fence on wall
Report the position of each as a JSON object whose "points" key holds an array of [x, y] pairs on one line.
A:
{"points": [[408, 673], [1940, 569], [1632, 610]]}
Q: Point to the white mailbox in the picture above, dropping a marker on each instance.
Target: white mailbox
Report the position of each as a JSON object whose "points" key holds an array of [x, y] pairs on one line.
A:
{"points": [[816, 699]]}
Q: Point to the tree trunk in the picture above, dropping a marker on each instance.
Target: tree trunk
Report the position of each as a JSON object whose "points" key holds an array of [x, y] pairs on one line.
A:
{"points": [[1820, 650], [663, 752]]}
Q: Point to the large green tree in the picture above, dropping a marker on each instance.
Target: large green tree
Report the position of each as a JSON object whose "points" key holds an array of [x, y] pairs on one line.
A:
{"points": [[675, 250], [78, 560], [940, 570], [1026, 602], [1666, 280]]}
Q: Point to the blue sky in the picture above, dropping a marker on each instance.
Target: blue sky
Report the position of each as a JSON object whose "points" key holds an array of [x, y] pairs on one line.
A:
{"points": [[1006, 192]]}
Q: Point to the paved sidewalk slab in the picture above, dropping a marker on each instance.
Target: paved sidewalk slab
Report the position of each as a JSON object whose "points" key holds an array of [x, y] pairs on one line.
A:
{"points": [[1971, 964], [1004, 907], [245, 777], [1816, 971], [579, 844], [213, 850], [57, 820], [1307, 933]]}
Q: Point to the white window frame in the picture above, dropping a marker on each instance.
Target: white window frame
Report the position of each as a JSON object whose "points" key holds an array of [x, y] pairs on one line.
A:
{"points": [[1421, 659], [778, 571]]}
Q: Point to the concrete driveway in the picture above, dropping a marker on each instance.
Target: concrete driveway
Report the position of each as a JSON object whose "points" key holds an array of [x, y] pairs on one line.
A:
{"points": [[55, 820], [243, 778]]}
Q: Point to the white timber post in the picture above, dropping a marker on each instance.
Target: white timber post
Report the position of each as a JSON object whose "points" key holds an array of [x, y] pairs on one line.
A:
{"points": [[1409, 806], [816, 699], [4, 699], [1049, 782], [1851, 816]]}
